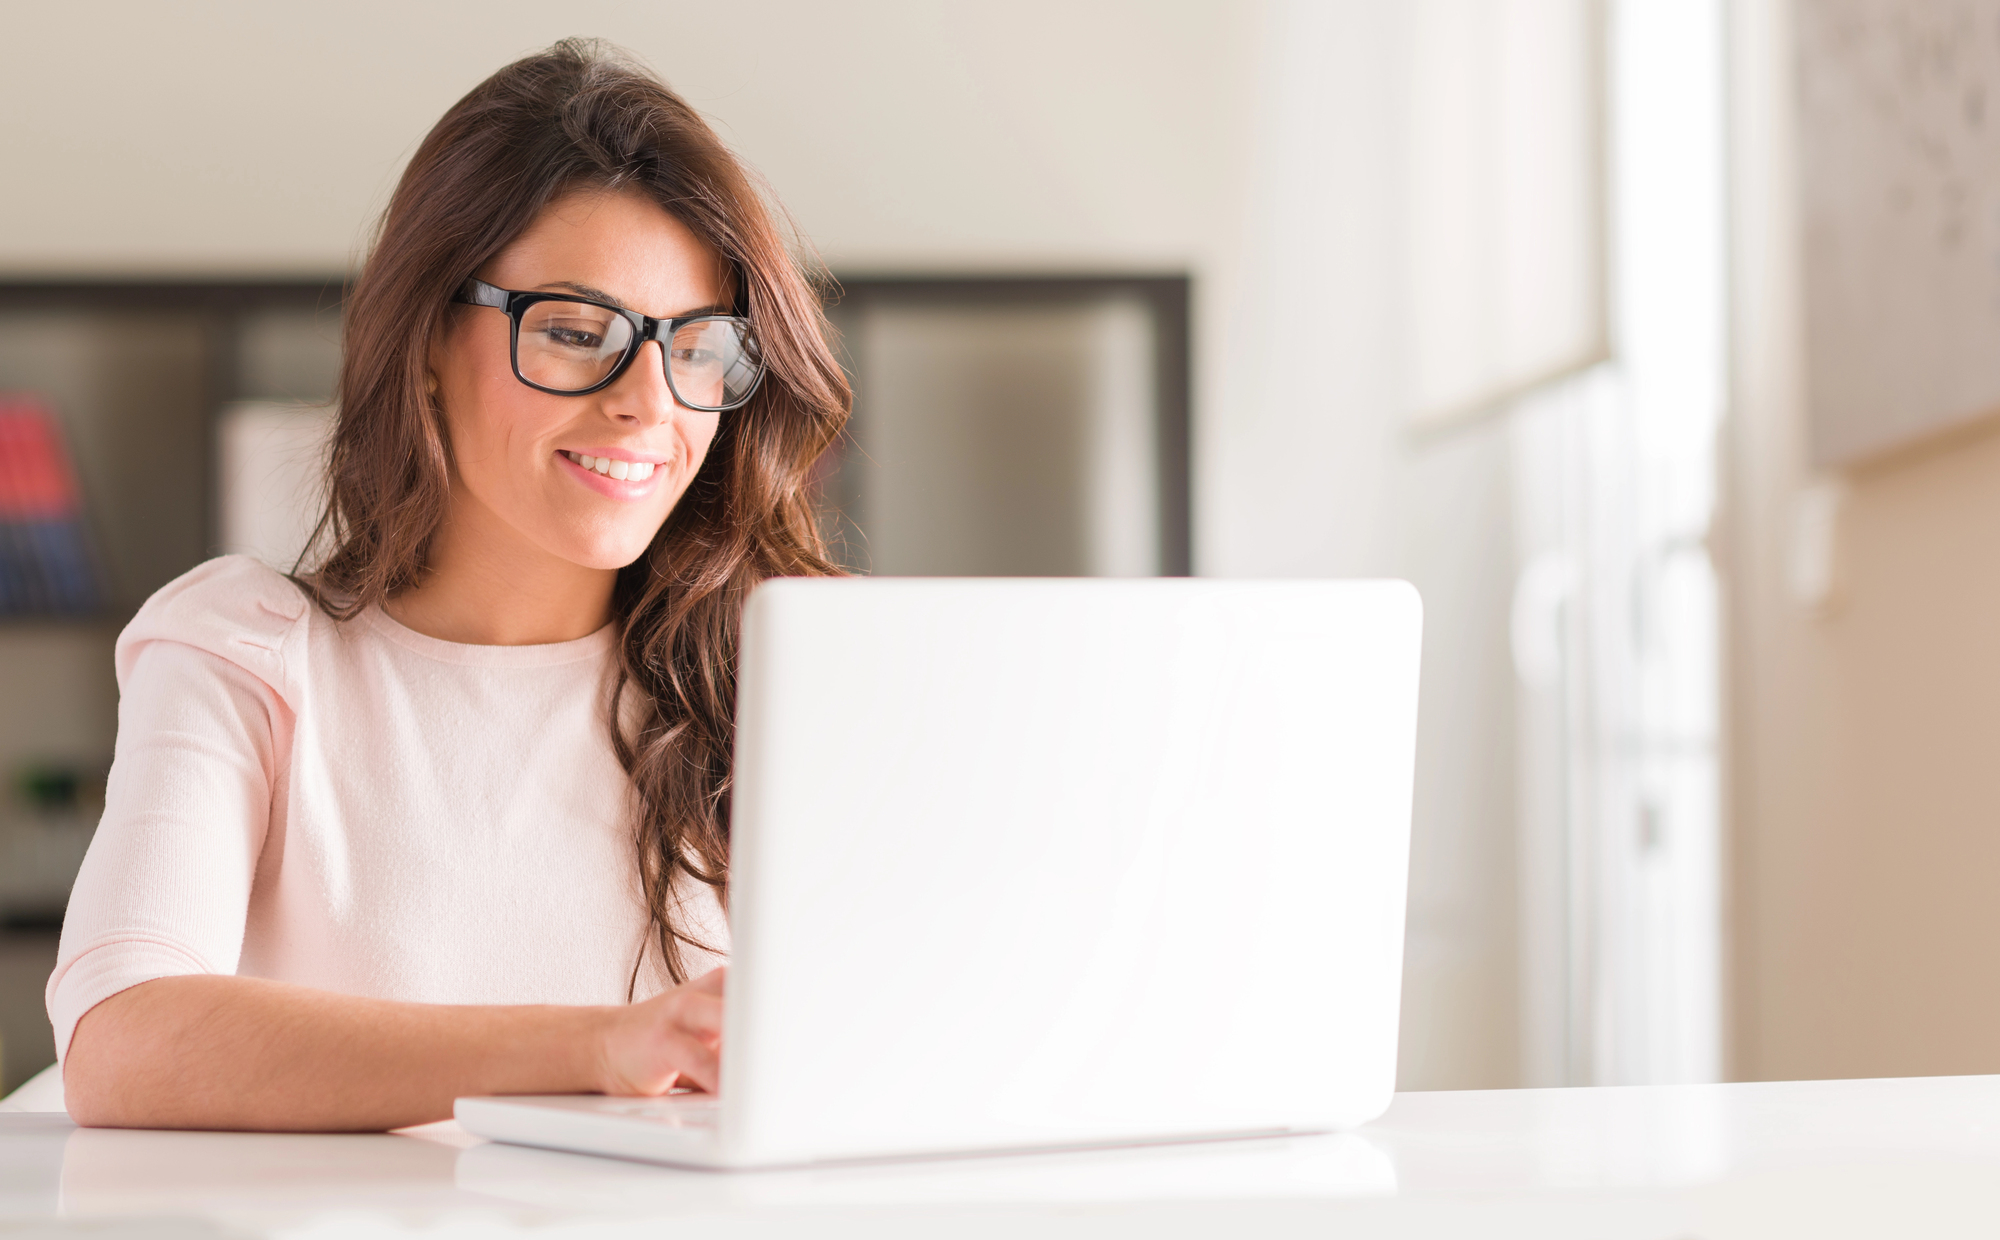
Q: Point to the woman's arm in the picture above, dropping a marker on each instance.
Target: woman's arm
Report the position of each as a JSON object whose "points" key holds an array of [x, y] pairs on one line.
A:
{"points": [[245, 1053]]}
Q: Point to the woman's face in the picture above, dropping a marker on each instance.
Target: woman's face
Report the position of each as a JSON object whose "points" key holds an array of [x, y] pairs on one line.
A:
{"points": [[515, 451]]}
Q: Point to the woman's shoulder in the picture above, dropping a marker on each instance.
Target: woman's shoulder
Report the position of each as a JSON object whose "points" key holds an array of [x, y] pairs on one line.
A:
{"points": [[233, 607]]}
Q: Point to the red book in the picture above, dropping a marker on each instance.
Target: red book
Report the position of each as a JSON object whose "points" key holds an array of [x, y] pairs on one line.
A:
{"points": [[36, 481], [46, 562]]}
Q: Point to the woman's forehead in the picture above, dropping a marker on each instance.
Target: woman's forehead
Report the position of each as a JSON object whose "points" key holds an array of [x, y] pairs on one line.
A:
{"points": [[620, 247]]}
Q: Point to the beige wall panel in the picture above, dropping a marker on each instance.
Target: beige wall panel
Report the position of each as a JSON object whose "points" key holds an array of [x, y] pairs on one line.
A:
{"points": [[1872, 834]]}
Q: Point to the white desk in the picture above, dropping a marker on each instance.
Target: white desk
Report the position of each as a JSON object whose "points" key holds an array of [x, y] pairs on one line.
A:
{"points": [[1917, 1158]]}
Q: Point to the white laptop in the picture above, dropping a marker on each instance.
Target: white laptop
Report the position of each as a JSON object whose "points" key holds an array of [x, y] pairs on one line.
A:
{"points": [[1030, 864]]}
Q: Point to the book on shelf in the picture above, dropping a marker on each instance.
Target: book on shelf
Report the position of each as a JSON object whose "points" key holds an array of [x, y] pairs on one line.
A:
{"points": [[48, 565]]}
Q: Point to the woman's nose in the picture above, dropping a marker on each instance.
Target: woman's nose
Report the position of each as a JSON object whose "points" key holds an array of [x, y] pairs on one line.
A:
{"points": [[642, 394]]}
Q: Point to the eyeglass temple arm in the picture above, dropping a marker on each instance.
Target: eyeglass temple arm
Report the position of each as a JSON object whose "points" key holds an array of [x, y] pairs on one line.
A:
{"points": [[477, 292]]}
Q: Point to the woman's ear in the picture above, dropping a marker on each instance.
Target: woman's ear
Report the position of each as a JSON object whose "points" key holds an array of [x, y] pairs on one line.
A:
{"points": [[439, 353]]}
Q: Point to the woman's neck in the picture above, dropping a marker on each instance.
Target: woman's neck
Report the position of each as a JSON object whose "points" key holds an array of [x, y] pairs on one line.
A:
{"points": [[487, 585]]}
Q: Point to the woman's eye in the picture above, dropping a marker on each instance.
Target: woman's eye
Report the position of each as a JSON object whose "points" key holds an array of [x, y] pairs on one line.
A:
{"points": [[696, 357], [573, 337]]}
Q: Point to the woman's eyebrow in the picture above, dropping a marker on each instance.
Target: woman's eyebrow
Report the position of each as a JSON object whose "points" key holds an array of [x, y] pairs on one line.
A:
{"points": [[598, 294], [584, 290]]}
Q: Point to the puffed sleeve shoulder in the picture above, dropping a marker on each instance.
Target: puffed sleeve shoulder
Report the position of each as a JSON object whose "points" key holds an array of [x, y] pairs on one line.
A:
{"points": [[209, 677], [232, 607]]}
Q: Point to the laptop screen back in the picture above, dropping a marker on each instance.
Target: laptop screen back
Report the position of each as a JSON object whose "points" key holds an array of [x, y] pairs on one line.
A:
{"points": [[1039, 862]]}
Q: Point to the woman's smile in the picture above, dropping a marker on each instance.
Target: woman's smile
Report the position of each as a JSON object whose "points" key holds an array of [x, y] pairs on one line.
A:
{"points": [[619, 473]]}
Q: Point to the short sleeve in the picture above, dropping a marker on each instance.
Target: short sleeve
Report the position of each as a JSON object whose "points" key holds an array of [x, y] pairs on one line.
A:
{"points": [[206, 704]]}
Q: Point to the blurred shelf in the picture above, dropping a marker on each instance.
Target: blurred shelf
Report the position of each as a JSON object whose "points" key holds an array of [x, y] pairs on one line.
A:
{"points": [[138, 372]]}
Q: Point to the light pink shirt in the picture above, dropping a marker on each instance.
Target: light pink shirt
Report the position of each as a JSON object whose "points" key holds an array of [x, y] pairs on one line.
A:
{"points": [[357, 807]]}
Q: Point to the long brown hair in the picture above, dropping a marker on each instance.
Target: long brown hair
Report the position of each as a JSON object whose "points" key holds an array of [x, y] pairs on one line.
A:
{"points": [[582, 116]]}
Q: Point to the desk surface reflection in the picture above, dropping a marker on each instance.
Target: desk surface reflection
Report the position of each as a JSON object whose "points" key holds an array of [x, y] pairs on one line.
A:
{"points": [[1830, 1158]]}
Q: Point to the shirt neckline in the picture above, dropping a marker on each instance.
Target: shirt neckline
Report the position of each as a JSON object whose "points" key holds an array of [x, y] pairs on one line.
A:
{"points": [[583, 649]]}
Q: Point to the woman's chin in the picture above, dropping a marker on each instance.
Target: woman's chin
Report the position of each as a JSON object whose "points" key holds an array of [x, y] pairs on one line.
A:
{"points": [[609, 554]]}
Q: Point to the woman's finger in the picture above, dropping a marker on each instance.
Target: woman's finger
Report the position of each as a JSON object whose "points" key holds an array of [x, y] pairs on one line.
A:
{"points": [[698, 1065]]}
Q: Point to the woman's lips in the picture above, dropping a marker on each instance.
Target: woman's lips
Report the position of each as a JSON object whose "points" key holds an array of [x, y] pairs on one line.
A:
{"points": [[612, 487]]}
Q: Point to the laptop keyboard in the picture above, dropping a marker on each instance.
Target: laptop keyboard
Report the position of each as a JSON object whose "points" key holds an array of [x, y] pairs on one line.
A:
{"points": [[676, 1111]]}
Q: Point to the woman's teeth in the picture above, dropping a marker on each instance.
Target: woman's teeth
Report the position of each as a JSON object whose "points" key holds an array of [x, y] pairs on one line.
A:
{"points": [[623, 471]]}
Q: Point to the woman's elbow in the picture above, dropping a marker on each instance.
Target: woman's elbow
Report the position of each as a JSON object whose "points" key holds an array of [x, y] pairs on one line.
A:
{"points": [[91, 1092], [104, 1067]]}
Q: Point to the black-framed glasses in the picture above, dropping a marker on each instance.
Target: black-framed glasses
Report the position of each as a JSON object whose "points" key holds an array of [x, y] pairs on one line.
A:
{"points": [[573, 346]]}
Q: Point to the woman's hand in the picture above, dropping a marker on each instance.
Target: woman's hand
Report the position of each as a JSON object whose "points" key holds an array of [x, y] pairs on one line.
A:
{"points": [[673, 1038]]}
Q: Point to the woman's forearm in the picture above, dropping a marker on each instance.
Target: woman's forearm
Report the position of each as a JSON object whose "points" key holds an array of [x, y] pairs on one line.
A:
{"points": [[245, 1053]]}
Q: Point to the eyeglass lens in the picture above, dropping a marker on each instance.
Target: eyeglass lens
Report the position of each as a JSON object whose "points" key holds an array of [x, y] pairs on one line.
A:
{"points": [[569, 346]]}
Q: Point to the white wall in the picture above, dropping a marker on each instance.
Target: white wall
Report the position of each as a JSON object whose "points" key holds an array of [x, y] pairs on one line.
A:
{"points": [[1305, 466], [1254, 144]]}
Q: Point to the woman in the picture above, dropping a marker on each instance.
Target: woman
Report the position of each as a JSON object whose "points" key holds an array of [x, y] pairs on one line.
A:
{"points": [[449, 815]]}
